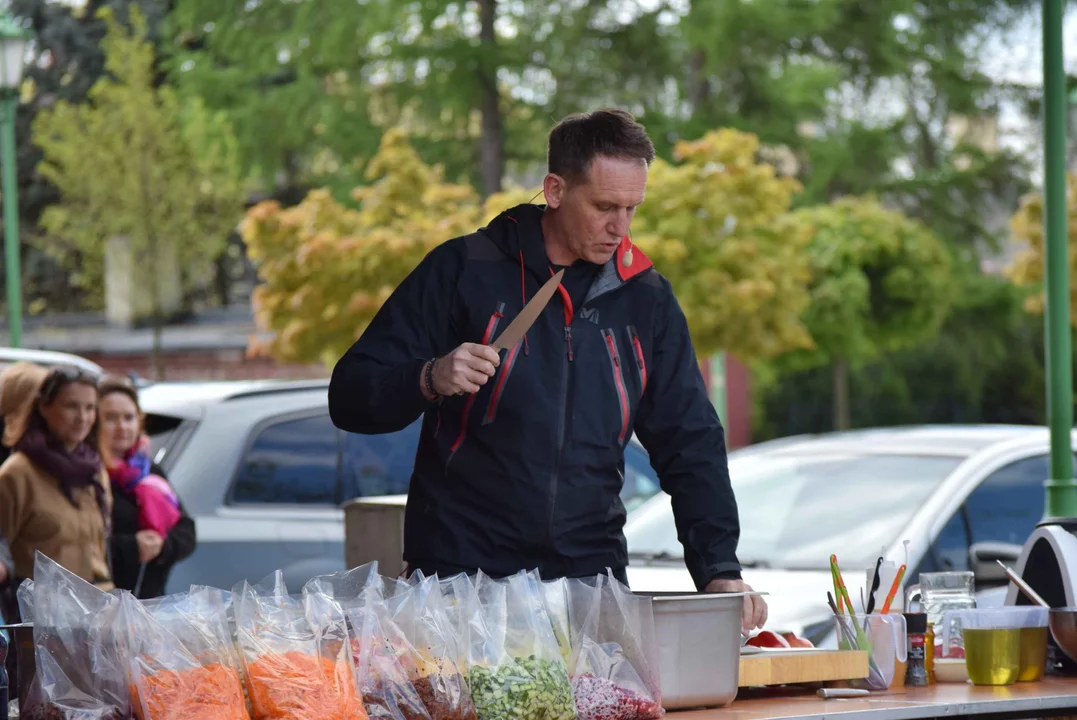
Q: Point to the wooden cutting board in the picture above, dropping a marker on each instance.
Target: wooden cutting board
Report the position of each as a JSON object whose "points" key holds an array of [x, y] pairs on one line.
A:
{"points": [[796, 667]]}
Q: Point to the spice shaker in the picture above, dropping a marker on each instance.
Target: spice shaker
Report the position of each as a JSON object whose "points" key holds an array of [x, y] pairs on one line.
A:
{"points": [[916, 674]]}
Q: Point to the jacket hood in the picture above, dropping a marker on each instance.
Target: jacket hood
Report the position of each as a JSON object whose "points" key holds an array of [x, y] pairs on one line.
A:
{"points": [[20, 384]]}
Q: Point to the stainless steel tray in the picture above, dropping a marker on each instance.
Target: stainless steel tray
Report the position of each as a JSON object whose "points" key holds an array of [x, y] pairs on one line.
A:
{"points": [[698, 639]]}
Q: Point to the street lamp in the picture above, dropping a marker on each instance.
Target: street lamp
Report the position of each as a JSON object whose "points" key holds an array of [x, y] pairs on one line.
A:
{"points": [[13, 39]]}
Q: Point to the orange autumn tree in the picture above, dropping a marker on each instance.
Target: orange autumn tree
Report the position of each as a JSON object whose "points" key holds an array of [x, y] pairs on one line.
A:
{"points": [[327, 267], [716, 224]]}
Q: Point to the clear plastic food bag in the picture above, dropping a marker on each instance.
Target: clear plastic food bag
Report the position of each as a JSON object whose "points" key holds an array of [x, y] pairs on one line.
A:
{"points": [[80, 668], [420, 612], [181, 658], [515, 669], [347, 587], [613, 677], [296, 655], [383, 659]]}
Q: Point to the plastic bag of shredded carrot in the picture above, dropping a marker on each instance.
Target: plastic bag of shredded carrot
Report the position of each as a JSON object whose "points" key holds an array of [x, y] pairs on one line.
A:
{"points": [[180, 659], [295, 654]]}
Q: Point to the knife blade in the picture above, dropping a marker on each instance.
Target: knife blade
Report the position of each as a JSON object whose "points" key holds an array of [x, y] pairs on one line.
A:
{"points": [[523, 322]]}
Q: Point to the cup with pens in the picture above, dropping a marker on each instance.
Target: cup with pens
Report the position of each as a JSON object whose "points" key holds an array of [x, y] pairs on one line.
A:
{"points": [[875, 630]]}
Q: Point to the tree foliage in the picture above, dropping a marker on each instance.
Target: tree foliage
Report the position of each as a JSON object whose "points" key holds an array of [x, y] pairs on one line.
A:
{"points": [[1028, 266], [328, 267], [134, 162], [717, 225], [880, 281], [712, 223]]}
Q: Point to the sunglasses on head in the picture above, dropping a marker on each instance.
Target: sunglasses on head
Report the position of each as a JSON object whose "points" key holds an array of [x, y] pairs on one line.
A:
{"points": [[61, 376]]}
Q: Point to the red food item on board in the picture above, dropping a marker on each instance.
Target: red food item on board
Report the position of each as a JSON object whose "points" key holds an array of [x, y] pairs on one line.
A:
{"points": [[767, 639]]}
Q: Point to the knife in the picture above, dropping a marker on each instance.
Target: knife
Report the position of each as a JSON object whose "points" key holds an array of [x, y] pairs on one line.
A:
{"points": [[523, 322]]}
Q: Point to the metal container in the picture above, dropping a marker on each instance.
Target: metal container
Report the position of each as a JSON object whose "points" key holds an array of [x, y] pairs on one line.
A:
{"points": [[698, 639]]}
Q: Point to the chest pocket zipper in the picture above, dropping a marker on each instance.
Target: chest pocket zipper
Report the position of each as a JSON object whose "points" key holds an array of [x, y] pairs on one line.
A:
{"points": [[501, 378], [487, 336], [641, 363], [618, 381]]}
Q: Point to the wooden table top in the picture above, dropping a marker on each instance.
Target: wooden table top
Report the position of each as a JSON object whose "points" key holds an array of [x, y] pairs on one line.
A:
{"points": [[952, 700]]}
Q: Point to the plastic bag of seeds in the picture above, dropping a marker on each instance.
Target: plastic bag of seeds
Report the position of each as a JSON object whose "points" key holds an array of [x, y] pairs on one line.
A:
{"points": [[80, 670], [515, 670], [181, 658], [613, 646], [384, 661], [420, 612], [295, 652]]}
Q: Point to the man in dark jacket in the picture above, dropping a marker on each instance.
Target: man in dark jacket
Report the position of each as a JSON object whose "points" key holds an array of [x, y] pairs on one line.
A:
{"points": [[521, 455]]}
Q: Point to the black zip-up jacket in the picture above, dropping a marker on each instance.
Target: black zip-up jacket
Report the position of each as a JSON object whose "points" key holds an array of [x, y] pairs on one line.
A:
{"points": [[527, 472]]}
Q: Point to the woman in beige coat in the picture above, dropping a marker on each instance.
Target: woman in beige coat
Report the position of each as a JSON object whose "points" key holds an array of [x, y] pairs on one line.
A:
{"points": [[54, 493]]}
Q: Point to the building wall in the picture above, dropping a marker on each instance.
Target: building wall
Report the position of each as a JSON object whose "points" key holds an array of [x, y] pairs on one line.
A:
{"points": [[207, 365]]}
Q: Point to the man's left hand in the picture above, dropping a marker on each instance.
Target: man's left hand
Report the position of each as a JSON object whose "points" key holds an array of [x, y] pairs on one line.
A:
{"points": [[755, 608]]}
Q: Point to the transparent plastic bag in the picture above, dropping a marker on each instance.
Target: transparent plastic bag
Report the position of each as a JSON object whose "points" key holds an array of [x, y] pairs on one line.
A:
{"points": [[613, 677], [296, 655], [556, 601], [515, 669], [347, 587], [181, 658], [383, 659], [421, 614], [80, 668]]}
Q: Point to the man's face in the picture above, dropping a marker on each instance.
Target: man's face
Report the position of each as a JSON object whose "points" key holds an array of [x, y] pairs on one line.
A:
{"points": [[596, 210]]}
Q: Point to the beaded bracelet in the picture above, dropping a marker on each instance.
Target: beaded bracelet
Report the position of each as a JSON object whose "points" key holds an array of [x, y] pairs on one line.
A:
{"points": [[428, 379]]}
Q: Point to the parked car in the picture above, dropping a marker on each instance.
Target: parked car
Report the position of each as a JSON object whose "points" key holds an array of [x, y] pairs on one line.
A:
{"points": [[48, 358], [962, 496], [263, 471]]}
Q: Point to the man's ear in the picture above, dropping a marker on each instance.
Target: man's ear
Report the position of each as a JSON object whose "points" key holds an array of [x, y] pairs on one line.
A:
{"points": [[553, 187]]}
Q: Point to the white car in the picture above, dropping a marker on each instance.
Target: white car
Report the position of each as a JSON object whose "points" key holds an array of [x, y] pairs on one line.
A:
{"points": [[962, 496]]}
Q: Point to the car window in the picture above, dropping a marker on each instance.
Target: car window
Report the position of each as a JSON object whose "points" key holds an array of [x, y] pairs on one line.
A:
{"points": [[1004, 508], [798, 509], [1009, 502], [380, 464], [294, 462], [950, 551]]}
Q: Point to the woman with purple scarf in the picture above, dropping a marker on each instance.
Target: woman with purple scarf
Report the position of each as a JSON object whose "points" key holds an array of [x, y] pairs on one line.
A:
{"points": [[150, 530], [54, 492]]}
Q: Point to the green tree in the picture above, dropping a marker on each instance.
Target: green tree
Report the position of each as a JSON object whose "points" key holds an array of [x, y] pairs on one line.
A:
{"points": [[880, 282], [135, 166], [475, 84], [65, 60], [984, 366]]}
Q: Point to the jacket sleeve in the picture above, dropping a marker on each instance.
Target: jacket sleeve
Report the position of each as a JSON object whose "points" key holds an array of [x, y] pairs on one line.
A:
{"points": [[680, 429], [375, 386], [181, 540]]}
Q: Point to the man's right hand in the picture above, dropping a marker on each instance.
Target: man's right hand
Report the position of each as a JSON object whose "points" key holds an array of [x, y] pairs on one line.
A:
{"points": [[465, 370]]}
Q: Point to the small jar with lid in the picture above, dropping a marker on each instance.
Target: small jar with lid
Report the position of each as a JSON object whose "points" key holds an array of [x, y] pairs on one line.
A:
{"points": [[916, 671]]}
